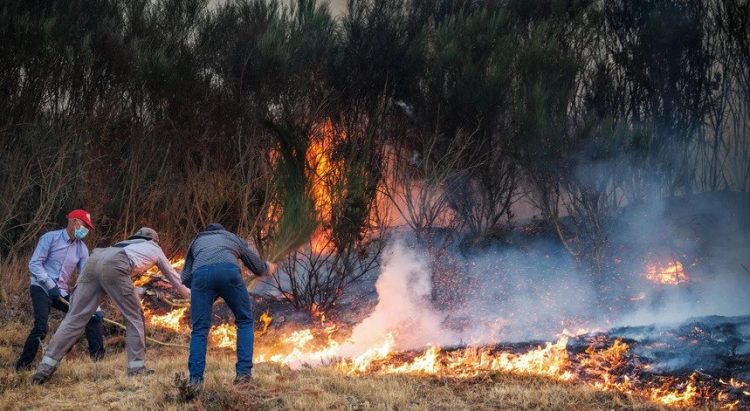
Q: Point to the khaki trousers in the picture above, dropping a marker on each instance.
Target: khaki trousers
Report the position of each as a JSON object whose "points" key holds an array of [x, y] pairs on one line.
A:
{"points": [[107, 272]]}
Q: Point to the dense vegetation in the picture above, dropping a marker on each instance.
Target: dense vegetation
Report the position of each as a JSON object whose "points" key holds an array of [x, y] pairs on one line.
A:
{"points": [[176, 113]]}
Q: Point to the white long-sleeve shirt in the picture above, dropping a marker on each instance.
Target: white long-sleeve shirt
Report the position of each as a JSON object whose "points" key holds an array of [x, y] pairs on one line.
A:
{"points": [[144, 254]]}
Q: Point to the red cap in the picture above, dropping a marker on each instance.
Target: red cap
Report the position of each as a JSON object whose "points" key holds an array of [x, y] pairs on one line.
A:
{"points": [[82, 215]]}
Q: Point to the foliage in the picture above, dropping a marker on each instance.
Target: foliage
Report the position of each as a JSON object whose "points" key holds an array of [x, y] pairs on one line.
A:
{"points": [[177, 113]]}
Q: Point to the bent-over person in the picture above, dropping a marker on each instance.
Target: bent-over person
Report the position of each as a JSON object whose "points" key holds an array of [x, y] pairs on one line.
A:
{"points": [[211, 271], [110, 271]]}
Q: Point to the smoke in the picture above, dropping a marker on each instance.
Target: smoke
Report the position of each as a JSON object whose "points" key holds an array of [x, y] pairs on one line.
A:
{"points": [[529, 287], [704, 233], [535, 292], [533, 289], [404, 309], [509, 295]]}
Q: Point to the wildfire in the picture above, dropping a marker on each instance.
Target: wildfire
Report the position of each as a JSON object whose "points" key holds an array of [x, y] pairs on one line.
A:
{"points": [[224, 336], [169, 321], [146, 277], [324, 174], [671, 274], [605, 365], [667, 395], [266, 319]]}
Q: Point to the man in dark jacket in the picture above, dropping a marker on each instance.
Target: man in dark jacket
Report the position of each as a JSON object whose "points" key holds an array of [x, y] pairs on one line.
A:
{"points": [[211, 271]]}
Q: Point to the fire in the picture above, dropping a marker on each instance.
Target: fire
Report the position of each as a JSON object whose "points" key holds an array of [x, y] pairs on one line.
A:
{"points": [[603, 366], [224, 336], [324, 174], [426, 363], [361, 363], [144, 279], [672, 274], [169, 321], [550, 361], [266, 319], [299, 339]]}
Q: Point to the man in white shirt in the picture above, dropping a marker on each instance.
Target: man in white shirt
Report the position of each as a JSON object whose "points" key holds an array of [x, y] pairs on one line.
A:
{"points": [[110, 271]]}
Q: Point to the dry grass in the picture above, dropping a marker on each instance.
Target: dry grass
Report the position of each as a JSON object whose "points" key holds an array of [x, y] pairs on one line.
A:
{"points": [[104, 385]]}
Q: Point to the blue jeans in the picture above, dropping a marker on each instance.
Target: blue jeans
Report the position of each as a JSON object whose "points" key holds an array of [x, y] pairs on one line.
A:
{"points": [[210, 282]]}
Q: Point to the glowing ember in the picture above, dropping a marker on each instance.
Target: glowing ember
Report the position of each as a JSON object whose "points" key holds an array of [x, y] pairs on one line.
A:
{"points": [[316, 312], [734, 383], [169, 321], [672, 274]]}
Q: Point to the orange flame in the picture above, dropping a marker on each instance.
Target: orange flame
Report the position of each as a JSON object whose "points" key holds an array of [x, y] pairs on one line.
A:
{"points": [[176, 263], [266, 319], [169, 321], [324, 174], [224, 336], [672, 274]]}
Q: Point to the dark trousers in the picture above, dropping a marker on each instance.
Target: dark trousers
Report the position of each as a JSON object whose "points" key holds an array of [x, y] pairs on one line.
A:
{"points": [[209, 283], [42, 304]]}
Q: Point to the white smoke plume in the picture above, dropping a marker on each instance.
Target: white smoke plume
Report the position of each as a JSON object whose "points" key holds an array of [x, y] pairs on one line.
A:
{"points": [[404, 308]]}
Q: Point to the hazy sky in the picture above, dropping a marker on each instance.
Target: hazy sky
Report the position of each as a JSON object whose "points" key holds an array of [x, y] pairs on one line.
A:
{"points": [[337, 6]]}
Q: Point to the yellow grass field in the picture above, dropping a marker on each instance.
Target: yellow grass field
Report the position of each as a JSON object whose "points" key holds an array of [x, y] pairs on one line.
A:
{"points": [[82, 384]]}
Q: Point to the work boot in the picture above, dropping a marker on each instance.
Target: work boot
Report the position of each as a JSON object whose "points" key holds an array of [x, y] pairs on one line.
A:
{"points": [[23, 366], [140, 371], [42, 374], [243, 379], [97, 356]]}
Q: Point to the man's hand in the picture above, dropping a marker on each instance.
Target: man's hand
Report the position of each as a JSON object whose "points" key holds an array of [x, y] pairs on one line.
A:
{"points": [[54, 292]]}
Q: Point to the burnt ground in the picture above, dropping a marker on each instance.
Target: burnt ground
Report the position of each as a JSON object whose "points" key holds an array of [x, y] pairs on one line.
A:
{"points": [[718, 346]]}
